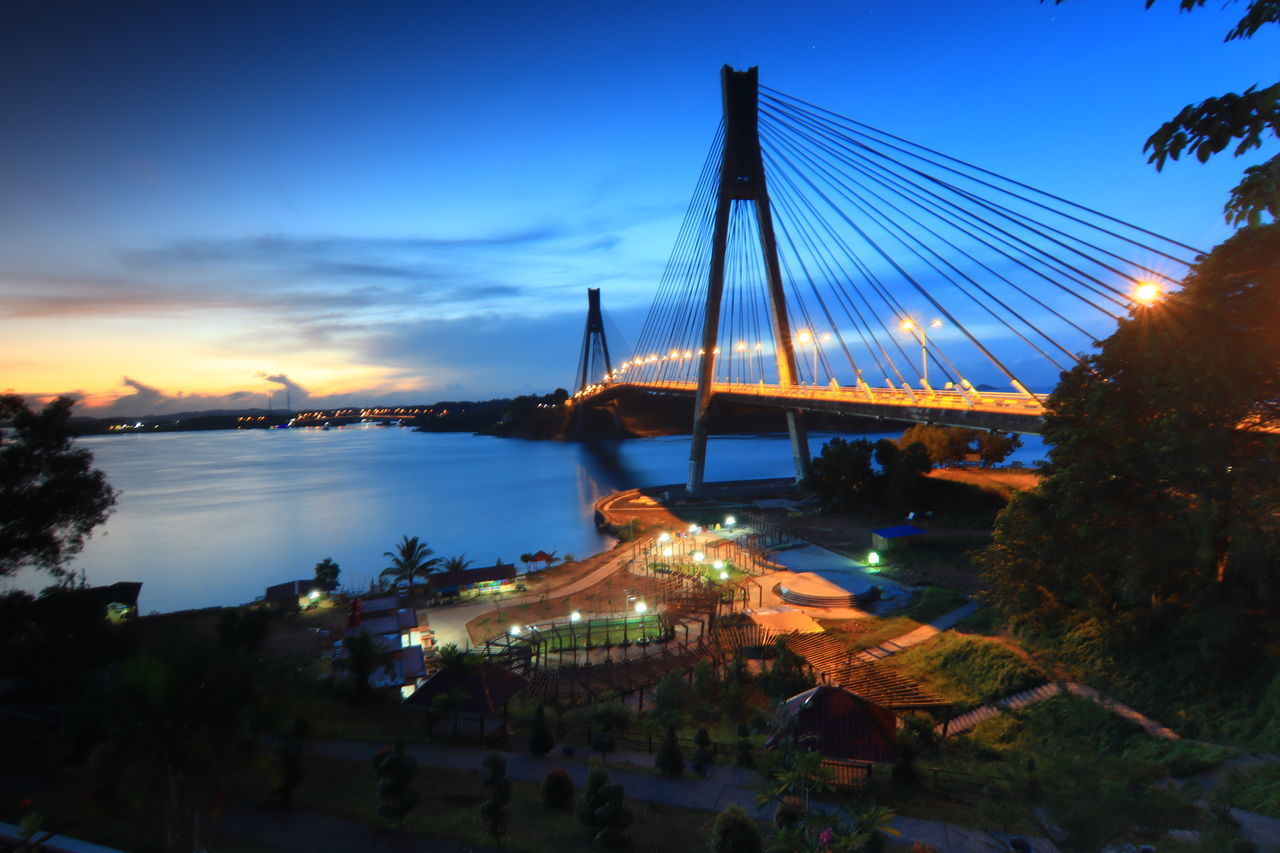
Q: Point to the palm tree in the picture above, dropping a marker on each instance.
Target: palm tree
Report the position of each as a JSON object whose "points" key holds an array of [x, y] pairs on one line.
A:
{"points": [[527, 559], [456, 564], [412, 558]]}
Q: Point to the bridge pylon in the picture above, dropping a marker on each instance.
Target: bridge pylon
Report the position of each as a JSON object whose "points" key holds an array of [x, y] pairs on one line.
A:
{"points": [[742, 180], [595, 348]]}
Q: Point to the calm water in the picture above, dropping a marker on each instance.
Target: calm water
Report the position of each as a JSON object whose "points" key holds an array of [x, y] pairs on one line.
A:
{"points": [[210, 518]]}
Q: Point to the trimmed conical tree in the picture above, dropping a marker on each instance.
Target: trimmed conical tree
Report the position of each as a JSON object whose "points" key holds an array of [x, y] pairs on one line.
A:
{"points": [[670, 759], [541, 740]]}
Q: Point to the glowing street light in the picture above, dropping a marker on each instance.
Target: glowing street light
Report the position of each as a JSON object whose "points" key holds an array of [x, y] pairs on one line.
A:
{"points": [[909, 326]]}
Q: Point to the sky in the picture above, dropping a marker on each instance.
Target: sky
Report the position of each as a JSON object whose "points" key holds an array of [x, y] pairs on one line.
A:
{"points": [[392, 203]]}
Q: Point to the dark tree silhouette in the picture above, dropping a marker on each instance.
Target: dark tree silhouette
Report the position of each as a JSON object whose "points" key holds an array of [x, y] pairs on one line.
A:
{"points": [[51, 497], [326, 573], [410, 560], [395, 770]]}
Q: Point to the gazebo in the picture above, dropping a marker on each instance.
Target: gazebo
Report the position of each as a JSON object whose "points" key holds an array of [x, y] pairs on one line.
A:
{"points": [[838, 724]]}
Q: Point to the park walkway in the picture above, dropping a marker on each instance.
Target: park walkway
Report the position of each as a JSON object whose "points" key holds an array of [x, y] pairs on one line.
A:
{"points": [[450, 623], [917, 636], [968, 720], [724, 786]]}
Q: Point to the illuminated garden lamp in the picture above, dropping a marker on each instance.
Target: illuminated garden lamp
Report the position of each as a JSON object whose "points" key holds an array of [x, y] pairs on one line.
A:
{"points": [[641, 607], [699, 556], [873, 558], [718, 564], [314, 595], [514, 631], [575, 616], [724, 576], [667, 551], [693, 528], [664, 537], [730, 521]]}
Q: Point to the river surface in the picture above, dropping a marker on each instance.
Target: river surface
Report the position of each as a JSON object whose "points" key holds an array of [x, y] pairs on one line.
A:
{"points": [[213, 518]]}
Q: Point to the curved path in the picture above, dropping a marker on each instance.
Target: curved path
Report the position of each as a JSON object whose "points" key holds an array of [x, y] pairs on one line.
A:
{"points": [[450, 623]]}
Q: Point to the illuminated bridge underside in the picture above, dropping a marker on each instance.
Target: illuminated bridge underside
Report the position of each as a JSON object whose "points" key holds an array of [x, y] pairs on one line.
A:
{"points": [[978, 410]]}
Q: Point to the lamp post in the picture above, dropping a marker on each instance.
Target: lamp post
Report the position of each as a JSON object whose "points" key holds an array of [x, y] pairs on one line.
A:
{"points": [[1147, 293], [910, 326]]}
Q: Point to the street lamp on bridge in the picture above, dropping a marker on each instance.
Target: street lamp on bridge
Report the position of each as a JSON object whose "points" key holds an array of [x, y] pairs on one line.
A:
{"points": [[909, 325]]}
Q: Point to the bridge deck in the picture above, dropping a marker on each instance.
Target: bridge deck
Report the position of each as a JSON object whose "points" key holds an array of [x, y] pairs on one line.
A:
{"points": [[977, 409]]}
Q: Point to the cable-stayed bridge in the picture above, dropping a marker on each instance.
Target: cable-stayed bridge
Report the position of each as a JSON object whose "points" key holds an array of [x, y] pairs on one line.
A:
{"points": [[825, 265]]}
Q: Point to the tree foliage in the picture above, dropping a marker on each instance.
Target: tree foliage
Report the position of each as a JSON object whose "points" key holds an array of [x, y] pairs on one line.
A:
{"points": [[410, 560], [1245, 119], [1159, 511], [51, 497], [326, 573]]}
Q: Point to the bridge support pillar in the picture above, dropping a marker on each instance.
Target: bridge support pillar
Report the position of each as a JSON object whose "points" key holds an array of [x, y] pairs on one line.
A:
{"points": [[799, 442], [742, 181]]}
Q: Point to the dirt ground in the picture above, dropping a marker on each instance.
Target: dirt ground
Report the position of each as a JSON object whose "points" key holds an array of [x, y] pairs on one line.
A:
{"points": [[1003, 481]]}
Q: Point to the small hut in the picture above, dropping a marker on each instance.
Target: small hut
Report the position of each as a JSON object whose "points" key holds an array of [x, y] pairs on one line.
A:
{"points": [[838, 724], [483, 689]]}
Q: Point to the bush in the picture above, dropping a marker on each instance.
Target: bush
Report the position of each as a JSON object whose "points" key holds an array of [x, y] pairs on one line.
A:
{"points": [[670, 758], [735, 832], [558, 789]]}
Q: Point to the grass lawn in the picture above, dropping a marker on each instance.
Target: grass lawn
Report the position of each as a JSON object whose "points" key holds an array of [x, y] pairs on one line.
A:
{"points": [[929, 604], [450, 799], [966, 669]]}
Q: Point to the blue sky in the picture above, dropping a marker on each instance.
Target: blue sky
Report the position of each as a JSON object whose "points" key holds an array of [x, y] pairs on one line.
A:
{"points": [[400, 202]]}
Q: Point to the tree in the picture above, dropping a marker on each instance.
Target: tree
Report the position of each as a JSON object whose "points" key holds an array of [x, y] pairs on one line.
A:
{"points": [[670, 758], [411, 559], [612, 816], [541, 740], [1158, 511], [842, 475], [493, 811], [703, 753], [591, 799], [735, 832], [995, 447], [326, 573], [943, 444], [51, 498], [364, 657], [395, 770], [901, 473], [672, 699], [456, 564], [1208, 127]]}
